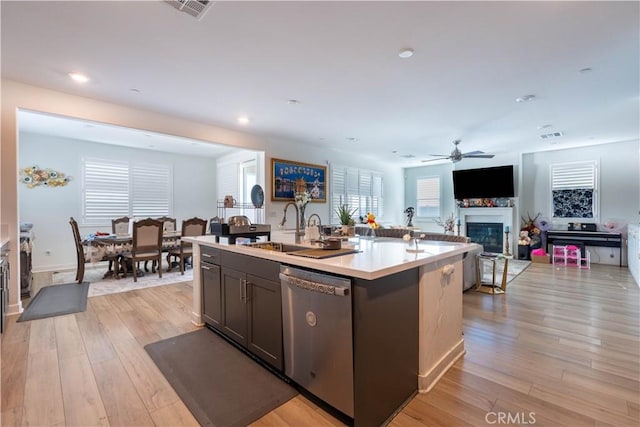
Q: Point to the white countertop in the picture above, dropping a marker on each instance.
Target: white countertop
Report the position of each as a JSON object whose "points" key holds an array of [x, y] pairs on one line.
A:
{"points": [[377, 258]]}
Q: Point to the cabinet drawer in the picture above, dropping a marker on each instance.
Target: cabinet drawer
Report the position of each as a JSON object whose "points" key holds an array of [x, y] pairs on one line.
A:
{"points": [[210, 255], [257, 266]]}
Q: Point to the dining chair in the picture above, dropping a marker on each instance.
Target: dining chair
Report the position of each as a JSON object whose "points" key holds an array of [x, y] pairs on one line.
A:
{"points": [[119, 227], [146, 246], [190, 227], [80, 258], [168, 223]]}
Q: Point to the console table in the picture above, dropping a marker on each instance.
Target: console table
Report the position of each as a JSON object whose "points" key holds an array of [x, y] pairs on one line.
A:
{"points": [[585, 238]]}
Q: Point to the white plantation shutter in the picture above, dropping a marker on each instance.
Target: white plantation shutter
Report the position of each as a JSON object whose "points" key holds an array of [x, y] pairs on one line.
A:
{"points": [[113, 189], [105, 190], [573, 175], [428, 197], [360, 189], [151, 190]]}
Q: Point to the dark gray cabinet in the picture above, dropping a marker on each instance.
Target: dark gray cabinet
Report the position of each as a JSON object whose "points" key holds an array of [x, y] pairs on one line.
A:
{"points": [[264, 334], [212, 294], [242, 300]]}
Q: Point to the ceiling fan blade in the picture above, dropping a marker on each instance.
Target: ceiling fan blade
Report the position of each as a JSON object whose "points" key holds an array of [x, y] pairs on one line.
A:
{"points": [[438, 155], [472, 153], [431, 160], [479, 156]]}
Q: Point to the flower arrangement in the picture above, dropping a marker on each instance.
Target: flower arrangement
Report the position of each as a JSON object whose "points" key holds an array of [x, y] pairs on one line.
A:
{"points": [[302, 199], [447, 223], [371, 220]]}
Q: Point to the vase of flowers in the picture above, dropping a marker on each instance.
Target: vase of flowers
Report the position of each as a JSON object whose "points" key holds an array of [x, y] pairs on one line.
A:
{"points": [[447, 224], [302, 199]]}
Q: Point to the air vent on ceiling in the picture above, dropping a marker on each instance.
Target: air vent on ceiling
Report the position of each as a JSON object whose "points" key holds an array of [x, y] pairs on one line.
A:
{"points": [[551, 135], [195, 8]]}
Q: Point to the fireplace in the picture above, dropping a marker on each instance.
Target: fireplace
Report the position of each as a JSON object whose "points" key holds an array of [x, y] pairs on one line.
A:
{"points": [[488, 234], [500, 218]]}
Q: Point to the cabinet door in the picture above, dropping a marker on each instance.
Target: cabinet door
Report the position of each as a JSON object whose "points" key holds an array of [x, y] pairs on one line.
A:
{"points": [[234, 312], [265, 320], [212, 294]]}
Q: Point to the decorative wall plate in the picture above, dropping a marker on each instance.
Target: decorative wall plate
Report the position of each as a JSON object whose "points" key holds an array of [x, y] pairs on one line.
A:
{"points": [[257, 196]]}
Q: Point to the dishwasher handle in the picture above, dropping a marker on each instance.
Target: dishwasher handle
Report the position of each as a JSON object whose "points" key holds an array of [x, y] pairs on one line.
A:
{"points": [[314, 286]]}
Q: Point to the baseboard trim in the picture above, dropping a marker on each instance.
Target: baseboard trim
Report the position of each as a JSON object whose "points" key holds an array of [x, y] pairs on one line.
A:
{"points": [[428, 380]]}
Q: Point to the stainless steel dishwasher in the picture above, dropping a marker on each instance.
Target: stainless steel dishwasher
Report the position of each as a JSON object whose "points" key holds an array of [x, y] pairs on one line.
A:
{"points": [[317, 335]]}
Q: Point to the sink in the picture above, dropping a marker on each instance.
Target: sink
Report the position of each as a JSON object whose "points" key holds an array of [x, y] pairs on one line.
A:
{"points": [[276, 246]]}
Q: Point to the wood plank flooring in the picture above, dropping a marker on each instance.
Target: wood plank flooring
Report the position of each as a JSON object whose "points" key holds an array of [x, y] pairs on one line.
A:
{"points": [[562, 347]]}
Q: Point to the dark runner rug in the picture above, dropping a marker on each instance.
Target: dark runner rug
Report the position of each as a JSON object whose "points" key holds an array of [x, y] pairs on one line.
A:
{"points": [[57, 300], [220, 385]]}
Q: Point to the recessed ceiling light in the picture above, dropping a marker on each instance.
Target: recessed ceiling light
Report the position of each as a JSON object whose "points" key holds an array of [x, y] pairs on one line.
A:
{"points": [[525, 98], [586, 70], [405, 53], [352, 139], [243, 120], [79, 77], [545, 126], [394, 151], [293, 101], [133, 89]]}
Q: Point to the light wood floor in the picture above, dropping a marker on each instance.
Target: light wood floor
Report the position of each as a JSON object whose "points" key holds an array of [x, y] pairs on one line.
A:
{"points": [[562, 347]]}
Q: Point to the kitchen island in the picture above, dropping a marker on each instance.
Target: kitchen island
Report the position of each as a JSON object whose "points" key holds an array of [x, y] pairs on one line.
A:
{"points": [[404, 323]]}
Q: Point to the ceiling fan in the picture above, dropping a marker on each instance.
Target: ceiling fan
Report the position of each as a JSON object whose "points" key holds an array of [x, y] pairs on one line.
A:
{"points": [[456, 155]]}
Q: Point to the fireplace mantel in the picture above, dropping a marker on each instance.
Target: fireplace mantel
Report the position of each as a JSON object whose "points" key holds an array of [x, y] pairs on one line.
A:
{"points": [[503, 215]]}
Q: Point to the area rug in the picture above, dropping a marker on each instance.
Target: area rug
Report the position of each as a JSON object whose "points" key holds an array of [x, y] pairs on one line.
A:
{"points": [[516, 266], [220, 385], [57, 300], [99, 286]]}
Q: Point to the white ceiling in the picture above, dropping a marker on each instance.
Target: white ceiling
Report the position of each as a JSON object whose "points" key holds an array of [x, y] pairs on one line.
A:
{"points": [[340, 60]]}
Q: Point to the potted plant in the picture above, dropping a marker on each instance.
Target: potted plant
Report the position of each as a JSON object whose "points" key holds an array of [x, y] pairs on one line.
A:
{"points": [[345, 217]]}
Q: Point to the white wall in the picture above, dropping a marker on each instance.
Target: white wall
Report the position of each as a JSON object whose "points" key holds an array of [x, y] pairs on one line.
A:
{"points": [[49, 209], [618, 191]]}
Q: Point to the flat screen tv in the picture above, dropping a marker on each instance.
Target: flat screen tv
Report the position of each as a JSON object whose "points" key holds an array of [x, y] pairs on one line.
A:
{"points": [[483, 183]]}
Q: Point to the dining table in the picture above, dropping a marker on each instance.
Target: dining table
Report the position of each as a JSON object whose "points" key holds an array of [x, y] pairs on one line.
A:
{"points": [[110, 247]]}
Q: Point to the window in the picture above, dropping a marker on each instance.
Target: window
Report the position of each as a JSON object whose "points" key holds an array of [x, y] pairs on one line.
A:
{"points": [[112, 189], [428, 197], [360, 189], [573, 190]]}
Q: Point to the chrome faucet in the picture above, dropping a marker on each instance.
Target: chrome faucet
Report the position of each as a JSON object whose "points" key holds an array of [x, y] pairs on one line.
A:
{"points": [[319, 220], [299, 233]]}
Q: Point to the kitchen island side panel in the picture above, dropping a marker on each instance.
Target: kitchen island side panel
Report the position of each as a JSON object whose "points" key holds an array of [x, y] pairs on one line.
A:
{"points": [[385, 317]]}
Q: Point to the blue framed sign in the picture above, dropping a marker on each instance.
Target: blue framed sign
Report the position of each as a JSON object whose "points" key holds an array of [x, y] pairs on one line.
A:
{"points": [[289, 177]]}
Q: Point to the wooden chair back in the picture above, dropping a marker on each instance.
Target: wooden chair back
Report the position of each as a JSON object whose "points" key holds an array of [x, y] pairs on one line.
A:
{"points": [[147, 236], [168, 223], [120, 226], [80, 259], [194, 227]]}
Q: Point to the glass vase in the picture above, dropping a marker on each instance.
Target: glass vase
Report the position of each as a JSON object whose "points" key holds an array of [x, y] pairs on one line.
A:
{"points": [[303, 221]]}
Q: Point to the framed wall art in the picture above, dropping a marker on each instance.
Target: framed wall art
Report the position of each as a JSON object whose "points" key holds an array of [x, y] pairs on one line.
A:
{"points": [[289, 177]]}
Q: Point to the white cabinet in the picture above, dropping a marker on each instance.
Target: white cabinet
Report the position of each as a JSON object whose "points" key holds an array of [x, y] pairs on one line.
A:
{"points": [[633, 251]]}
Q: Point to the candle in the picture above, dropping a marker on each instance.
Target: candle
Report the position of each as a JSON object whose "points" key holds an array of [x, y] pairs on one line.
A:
{"points": [[458, 222], [506, 228]]}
